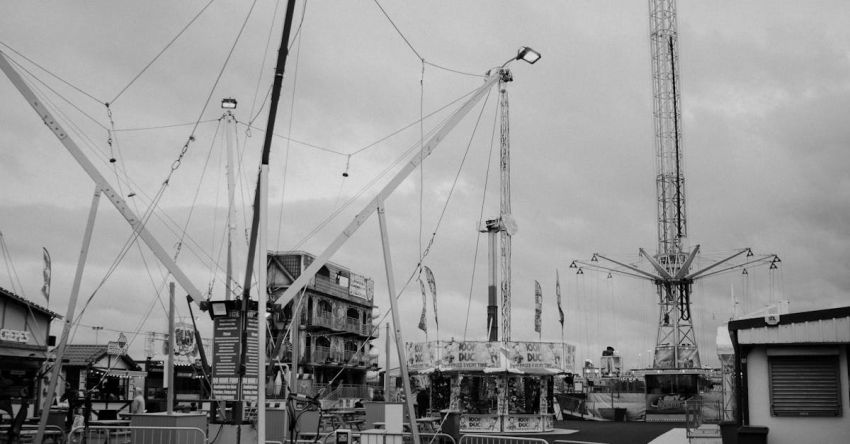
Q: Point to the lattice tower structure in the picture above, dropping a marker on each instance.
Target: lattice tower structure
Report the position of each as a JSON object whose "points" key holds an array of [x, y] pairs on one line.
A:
{"points": [[505, 206], [675, 326]]}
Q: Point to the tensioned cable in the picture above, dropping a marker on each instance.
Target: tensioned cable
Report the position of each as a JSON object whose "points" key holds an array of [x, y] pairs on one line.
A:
{"points": [[409, 45], [170, 125], [22, 68], [73, 126], [350, 201], [197, 193], [480, 220], [269, 91], [80, 90], [14, 279], [333, 214], [366, 147], [383, 173], [209, 96], [263, 63], [164, 49], [421, 162]]}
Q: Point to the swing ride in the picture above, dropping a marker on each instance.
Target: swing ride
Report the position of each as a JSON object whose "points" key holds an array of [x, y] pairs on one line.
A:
{"points": [[676, 367]]}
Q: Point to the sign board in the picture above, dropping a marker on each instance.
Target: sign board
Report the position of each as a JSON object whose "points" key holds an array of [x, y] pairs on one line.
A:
{"points": [[225, 377], [225, 365], [357, 286], [480, 355], [14, 335]]}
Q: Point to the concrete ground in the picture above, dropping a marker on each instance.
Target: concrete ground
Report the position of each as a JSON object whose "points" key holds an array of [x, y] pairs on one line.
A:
{"points": [[609, 432]]}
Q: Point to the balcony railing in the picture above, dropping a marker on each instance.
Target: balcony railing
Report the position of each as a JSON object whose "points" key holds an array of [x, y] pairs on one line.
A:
{"points": [[321, 354], [326, 320]]}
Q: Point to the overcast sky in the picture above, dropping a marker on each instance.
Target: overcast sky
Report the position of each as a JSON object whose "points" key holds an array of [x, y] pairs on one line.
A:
{"points": [[765, 92]]}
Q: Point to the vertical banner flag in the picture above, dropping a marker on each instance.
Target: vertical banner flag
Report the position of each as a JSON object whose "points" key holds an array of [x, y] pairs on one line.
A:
{"points": [[558, 296], [423, 324], [45, 289], [538, 307], [432, 284]]}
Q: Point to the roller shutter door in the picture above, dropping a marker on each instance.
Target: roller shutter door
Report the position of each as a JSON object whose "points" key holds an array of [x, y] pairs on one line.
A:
{"points": [[805, 386]]}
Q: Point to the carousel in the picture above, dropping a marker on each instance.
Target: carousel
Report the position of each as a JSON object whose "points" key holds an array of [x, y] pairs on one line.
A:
{"points": [[495, 386]]}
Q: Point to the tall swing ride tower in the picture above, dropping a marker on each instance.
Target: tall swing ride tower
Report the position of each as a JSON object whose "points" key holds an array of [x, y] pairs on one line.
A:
{"points": [[671, 266]]}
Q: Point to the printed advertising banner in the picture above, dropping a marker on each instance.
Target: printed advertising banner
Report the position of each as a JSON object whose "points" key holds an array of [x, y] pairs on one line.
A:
{"points": [[481, 355]]}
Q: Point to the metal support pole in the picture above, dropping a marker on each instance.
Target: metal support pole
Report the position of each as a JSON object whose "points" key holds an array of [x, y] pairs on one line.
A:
{"points": [[399, 343], [262, 297], [69, 316], [169, 403], [387, 343]]}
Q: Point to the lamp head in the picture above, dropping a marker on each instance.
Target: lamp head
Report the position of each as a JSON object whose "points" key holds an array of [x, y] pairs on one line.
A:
{"points": [[228, 103], [529, 55]]}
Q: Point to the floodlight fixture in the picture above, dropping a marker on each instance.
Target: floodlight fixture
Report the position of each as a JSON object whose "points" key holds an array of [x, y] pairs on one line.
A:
{"points": [[218, 308], [228, 103], [527, 54]]}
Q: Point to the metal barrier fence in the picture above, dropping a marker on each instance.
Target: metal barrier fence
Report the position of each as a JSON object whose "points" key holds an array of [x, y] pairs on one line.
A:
{"points": [[52, 435], [407, 438], [137, 435], [485, 439], [568, 441], [429, 438]]}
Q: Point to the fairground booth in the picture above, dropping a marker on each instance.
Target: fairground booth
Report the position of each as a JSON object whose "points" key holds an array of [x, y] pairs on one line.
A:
{"points": [[495, 386], [24, 337]]}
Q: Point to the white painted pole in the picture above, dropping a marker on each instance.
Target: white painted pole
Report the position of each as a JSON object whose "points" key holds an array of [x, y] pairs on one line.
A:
{"points": [[399, 342], [387, 343], [69, 316]]}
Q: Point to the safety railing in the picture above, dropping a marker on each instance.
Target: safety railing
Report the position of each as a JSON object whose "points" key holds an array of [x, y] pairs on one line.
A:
{"points": [[569, 441], [486, 439], [428, 438], [137, 435], [52, 435]]}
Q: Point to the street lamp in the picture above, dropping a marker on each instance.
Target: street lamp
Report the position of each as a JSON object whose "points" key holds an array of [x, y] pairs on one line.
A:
{"points": [[97, 329], [529, 55], [525, 53]]}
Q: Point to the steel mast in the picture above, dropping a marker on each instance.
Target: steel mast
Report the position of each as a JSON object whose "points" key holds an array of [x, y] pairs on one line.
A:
{"points": [[675, 326], [508, 227]]}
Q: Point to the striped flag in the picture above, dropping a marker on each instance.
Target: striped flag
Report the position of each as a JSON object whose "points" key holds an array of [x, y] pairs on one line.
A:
{"points": [[423, 324], [538, 307], [558, 297], [45, 289], [432, 284]]}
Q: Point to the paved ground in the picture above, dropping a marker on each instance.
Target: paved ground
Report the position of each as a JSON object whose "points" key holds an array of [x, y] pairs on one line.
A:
{"points": [[623, 432]]}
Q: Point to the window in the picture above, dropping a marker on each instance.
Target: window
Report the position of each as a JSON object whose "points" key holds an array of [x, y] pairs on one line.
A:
{"points": [[804, 385]]}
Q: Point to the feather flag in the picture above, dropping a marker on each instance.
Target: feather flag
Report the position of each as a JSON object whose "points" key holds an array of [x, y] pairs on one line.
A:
{"points": [[45, 289], [423, 324], [558, 297], [432, 284], [538, 307]]}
